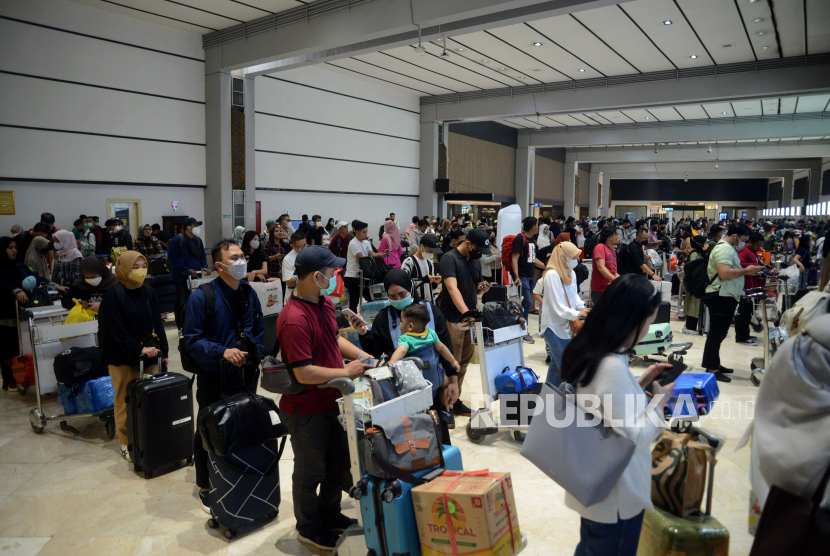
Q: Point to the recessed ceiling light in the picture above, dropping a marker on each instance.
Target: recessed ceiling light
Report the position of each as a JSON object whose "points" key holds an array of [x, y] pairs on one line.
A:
{"points": [[521, 77], [764, 48], [724, 113], [502, 69], [648, 118], [751, 1], [757, 20], [461, 50], [537, 44], [582, 69], [760, 33], [667, 22], [693, 56], [486, 61]]}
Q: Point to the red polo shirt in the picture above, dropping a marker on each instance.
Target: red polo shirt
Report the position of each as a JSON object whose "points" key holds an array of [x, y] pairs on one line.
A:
{"points": [[749, 258], [598, 281], [307, 333]]}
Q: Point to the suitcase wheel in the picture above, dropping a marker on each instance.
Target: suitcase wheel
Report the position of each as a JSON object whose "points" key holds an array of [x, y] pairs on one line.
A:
{"points": [[212, 523], [148, 474], [110, 428], [137, 468], [519, 436], [229, 533], [273, 515], [190, 461], [473, 435]]}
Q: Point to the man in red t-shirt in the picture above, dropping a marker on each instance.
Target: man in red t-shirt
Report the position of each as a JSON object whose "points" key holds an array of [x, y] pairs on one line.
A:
{"points": [[313, 350], [604, 261], [748, 256]]}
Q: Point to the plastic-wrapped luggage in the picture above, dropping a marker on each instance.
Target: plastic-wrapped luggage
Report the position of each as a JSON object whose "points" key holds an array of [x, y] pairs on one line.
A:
{"points": [[370, 309], [703, 389], [95, 395]]}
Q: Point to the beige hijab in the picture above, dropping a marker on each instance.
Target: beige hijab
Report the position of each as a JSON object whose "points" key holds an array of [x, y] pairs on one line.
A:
{"points": [[125, 265], [563, 251]]}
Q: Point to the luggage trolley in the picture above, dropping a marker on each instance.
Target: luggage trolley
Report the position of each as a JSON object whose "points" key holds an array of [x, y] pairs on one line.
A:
{"points": [[767, 298], [499, 348], [45, 329]]}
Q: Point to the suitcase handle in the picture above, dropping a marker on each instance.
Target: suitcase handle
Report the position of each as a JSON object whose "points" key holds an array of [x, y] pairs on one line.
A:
{"points": [[142, 363]]}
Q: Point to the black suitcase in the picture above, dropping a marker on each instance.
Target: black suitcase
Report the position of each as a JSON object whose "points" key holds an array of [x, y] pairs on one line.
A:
{"points": [[157, 265], [663, 313], [160, 424], [495, 293], [165, 290]]}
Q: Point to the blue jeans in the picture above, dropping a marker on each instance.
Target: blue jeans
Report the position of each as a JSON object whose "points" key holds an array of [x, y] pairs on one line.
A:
{"points": [[609, 539], [556, 345], [802, 278], [527, 296]]}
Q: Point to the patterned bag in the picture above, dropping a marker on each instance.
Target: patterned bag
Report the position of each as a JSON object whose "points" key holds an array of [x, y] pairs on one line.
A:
{"points": [[115, 254], [678, 473]]}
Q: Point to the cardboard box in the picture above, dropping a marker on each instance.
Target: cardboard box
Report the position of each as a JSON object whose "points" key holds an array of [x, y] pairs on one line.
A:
{"points": [[477, 511]]}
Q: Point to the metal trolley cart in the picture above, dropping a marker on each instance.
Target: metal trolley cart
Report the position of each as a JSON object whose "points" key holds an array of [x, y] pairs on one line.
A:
{"points": [[41, 331], [499, 348], [766, 309]]}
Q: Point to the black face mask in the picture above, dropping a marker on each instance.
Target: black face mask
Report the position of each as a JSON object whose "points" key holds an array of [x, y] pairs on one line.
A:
{"points": [[475, 254]]}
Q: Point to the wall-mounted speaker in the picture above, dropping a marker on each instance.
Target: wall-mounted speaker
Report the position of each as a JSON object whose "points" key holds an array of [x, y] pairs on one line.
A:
{"points": [[442, 186]]}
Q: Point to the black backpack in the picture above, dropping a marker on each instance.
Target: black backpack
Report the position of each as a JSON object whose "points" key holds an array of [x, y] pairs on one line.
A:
{"points": [[79, 364], [189, 363], [696, 278]]}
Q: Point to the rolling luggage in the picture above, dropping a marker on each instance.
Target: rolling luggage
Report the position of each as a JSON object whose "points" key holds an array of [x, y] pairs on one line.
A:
{"points": [[159, 420], [663, 313], [703, 389], [658, 339], [495, 293], [157, 264], [388, 513], [165, 290], [245, 486]]}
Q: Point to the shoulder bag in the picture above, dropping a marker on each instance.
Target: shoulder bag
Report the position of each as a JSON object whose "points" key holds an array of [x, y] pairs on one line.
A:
{"points": [[576, 325]]}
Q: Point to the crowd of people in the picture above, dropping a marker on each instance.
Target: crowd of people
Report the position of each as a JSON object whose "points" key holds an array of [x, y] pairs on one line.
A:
{"points": [[433, 274]]}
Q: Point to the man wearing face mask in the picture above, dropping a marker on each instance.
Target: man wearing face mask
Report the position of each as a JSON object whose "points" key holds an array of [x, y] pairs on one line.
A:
{"points": [[233, 337], [420, 265], [460, 270], [186, 255], [312, 349]]}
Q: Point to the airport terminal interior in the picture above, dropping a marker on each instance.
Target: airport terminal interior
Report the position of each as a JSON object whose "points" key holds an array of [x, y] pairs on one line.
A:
{"points": [[163, 126]]}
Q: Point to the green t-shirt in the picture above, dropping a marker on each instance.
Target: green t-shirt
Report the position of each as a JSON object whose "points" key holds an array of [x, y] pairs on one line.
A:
{"points": [[724, 253], [414, 341]]}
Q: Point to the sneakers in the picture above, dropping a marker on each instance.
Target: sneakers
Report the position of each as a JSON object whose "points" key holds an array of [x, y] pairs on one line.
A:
{"points": [[528, 339], [322, 540], [340, 524], [125, 453], [720, 377], [687, 331], [203, 499], [748, 342], [459, 408]]}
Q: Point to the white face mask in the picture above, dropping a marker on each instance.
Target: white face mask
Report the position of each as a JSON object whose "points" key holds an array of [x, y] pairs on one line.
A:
{"points": [[93, 281], [572, 263], [57, 245], [118, 229], [255, 244], [428, 256], [237, 270], [195, 230]]}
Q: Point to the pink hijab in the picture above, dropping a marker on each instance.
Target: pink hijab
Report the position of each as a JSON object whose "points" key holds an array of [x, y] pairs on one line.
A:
{"points": [[392, 234], [69, 249]]}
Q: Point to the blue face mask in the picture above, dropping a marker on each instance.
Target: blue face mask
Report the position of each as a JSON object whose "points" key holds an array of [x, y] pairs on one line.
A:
{"points": [[330, 288], [401, 304]]}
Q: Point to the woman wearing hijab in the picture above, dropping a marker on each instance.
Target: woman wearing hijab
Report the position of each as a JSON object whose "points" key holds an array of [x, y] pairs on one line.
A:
{"points": [[67, 267], [257, 260], [89, 289], [12, 273], [379, 340], [562, 304], [39, 256], [130, 327], [239, 235], [391, 242], [697, 248], [446, 226], [146, 243], [563, 236]]}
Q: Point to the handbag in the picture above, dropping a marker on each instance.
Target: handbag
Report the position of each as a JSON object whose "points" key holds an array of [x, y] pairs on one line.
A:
{"points": [[158, 264], [500, 314], [793, 524], [587, 461], [576, 325], [278, 378], [678, 473], [398, 447]]}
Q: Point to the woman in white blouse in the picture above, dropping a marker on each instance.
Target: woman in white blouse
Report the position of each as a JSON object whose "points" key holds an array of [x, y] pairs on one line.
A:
{"points": [[596, 362], [562, 304]]}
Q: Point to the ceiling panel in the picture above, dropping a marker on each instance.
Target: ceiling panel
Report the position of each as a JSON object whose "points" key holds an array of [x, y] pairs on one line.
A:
{"points": [[770, 106], [592, 118], [665, 114], [615, 117], [639, 115], [818, 31], [586, 120], [569, 34], [717, 109], [624, 37], [401, 59], [766, 47], [550, 121], [718, 23], [475, 64], [787, 105], [789, 16], [812, 103], [568, 120], [677, 40], [514, 62], [274, 5], [519, 122], [405, 69], [356, 68], [692, 111], [234, 10], [747, 108], [510, 124]]}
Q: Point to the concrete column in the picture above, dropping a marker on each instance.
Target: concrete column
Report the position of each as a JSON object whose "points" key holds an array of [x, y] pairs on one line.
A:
{"points": [[525, 187], [569, 205], [787, 186], [594, 201], [814, 194], [218, 196], [250, 155], [427, 198]]}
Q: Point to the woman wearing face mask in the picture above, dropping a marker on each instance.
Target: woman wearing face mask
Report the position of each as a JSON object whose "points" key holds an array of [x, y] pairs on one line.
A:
{"points": [[130, 327], [146, 243], [562, 305], [67, 267], [379, 340], [89, 289], [239, 235], [330, 229], [391, 242], [257, 267]]}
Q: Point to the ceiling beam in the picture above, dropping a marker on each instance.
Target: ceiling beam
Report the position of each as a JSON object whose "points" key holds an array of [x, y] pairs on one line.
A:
{"points": [[694, 90], [698, 153], [711, 175], [707, 166], [288, 40]]}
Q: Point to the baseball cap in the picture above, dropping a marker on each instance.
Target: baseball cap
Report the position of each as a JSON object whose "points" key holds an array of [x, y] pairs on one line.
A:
{"points": [[316, 257], [480, 239], [431, 242], [190, 221], [342, 223]]}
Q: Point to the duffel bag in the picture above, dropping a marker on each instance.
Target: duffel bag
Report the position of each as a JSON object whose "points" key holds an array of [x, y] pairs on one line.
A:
{"points": [[157, 264], [398, 447], [500, 314], [238, 422], [79, 364], [515, 380]]}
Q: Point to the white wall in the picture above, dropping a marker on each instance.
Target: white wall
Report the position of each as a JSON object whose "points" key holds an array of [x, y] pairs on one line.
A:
{"points": [[77, 144], [361, 116]]}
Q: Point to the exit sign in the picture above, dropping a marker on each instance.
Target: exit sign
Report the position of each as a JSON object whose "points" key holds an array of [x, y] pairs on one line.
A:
{"points": [[226, 216]]}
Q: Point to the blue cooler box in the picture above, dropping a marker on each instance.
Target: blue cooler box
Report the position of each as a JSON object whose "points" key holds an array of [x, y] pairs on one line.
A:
{"points": [[703, 389]]}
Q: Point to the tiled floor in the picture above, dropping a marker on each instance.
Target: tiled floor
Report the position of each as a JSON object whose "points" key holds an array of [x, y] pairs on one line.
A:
{"points": [[64, 495]]}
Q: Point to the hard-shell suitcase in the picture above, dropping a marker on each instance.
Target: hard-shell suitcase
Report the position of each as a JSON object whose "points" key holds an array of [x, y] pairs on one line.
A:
{"points": [[370, 309], [703, 389], [658, 339], [159, 420], [245, 486], [495, 293], [663, 313], [389, 515]]}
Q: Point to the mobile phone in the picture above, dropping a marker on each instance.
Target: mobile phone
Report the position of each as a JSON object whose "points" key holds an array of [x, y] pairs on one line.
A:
{"points": [[349, 314], [670, 375], [368, 361]]}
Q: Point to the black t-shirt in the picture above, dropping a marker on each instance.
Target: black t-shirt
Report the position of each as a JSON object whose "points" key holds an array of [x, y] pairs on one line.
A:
{"points": [[162, 236], [570, 230], [255, 261], [304, 227], [635, 257], [526, 248], [314, 236], [467, 273], [543, 254]]}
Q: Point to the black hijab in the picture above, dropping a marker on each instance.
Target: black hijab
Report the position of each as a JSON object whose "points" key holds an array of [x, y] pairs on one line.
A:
{"points": [[398, 277], [93, 265], [6, 264]]}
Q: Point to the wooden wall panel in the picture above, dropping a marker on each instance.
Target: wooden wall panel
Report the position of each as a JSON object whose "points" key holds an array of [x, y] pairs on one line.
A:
{"points": [[477, 166], [584, 185], [549, 179]]}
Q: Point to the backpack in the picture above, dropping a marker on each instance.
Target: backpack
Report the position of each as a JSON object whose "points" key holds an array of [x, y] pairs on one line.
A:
{"points": [[79, 364], [812, 305], [507, 252], [189, 363], [696, 276]]}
